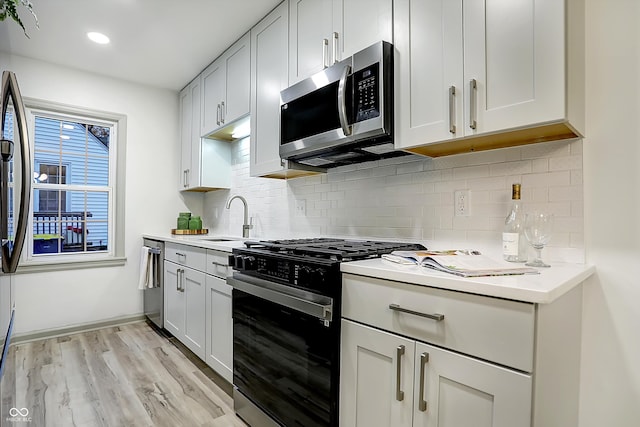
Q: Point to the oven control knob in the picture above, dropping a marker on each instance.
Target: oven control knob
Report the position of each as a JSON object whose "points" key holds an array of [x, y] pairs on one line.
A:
{"points": [[304, 275], [247, 262], [319, 275]]}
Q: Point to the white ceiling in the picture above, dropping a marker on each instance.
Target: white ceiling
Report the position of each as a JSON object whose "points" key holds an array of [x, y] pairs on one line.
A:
{"points": [[162, 43]]}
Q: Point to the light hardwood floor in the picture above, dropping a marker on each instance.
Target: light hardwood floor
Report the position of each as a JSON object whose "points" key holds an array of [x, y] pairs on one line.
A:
{"points": [[127, 375]]}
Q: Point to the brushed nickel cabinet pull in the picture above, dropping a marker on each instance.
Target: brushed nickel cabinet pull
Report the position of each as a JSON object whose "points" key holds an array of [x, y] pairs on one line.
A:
{"points": [[473, 101], [223, 113], [435, 316], [424, 359], [452, 109], [399, 354], [218, 115], [325, 52], [335, 47]]}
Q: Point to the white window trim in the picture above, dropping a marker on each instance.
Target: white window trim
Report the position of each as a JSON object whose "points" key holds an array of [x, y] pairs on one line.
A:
{"points": [[117, 167]]}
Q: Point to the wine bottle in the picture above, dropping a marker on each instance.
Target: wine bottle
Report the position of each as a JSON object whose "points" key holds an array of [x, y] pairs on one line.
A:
{"points": [[514, 244]]}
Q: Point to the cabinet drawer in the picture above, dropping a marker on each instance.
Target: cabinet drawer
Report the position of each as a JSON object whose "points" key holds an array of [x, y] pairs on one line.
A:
{"points": [[189, 256], [218, 263], [493, 329]]}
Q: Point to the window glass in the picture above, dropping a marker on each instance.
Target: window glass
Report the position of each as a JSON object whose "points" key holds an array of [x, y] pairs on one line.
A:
{"points": [[72, 188]]}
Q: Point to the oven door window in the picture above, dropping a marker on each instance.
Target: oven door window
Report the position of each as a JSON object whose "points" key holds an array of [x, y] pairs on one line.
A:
{"points": [[283, 359]]}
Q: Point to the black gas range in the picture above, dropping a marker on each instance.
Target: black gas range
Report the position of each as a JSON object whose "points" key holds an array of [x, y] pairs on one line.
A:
{"points": [[286, 327], [311, 264]]}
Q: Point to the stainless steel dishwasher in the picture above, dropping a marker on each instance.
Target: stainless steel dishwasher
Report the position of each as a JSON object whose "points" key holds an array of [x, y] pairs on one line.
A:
{"points": [[154, 297]]}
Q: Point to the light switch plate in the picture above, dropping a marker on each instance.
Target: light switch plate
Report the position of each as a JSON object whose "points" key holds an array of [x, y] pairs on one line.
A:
{"points": [[301, 207]]}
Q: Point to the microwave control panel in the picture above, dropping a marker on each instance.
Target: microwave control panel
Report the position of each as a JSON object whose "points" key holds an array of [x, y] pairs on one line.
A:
{"points": [[367, 89]]}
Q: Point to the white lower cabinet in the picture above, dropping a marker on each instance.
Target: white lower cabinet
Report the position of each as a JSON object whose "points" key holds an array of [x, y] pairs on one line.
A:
{"points": [[194, 319], [389, 380], [421, 356], [184, 295], [173, 299], [197, 304], [219, 355]]}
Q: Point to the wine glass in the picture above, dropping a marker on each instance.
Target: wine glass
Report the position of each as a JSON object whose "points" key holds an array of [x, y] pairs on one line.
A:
{"points": [[537, 228]]}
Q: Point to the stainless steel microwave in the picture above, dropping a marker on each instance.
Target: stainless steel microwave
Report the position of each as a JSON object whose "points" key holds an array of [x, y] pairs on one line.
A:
{"points": [[343, 114]]}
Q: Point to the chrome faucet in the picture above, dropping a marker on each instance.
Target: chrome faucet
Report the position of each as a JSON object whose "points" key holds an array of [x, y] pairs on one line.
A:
{"points": [[246, 226]]}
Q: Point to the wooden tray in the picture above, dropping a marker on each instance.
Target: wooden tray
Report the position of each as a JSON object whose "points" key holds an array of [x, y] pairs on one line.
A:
{"points": [[190, 232]]}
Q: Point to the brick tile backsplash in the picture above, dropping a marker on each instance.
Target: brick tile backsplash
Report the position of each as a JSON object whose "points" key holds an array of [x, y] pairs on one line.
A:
{"points": [[411, 198]]}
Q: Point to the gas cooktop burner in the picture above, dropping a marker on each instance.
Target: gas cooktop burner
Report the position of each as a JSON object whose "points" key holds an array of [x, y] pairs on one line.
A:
{"points": [[329, 248]]}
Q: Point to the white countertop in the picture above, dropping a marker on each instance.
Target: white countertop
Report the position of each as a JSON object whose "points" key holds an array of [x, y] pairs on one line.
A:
{"points": [[545, 287], [200, 241]]}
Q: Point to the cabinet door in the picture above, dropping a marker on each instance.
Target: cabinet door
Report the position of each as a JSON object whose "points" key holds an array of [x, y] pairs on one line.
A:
{"points": [[237, 71], [185, 136], [173, 299], [428, 71], [219, 325], [309, 37], [269, 67], [515, 51], [189, 135], [212, 81], [369, 378], [358, 24], [491, 396], [194, 300]]}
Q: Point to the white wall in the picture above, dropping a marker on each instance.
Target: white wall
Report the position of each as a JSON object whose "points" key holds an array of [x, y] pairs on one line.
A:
{"points": [[60, 299], [611, 337]]}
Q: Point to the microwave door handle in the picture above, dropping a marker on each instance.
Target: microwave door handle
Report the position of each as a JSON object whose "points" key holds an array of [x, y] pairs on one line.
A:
{"points": [[342, 101]]}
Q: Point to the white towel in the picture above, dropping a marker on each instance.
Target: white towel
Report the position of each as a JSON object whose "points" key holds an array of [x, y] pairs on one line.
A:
{"points": [[146, 269]]}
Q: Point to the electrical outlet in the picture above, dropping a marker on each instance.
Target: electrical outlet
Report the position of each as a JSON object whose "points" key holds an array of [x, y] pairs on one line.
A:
{"points": [[301, 207], [461, 203]]}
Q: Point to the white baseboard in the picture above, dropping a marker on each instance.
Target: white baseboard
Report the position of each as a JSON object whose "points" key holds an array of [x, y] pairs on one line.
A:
{"points": [[68, 330]]}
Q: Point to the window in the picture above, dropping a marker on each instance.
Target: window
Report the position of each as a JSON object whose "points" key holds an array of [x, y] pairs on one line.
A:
{"points": [[72, 187], [77, 212]]}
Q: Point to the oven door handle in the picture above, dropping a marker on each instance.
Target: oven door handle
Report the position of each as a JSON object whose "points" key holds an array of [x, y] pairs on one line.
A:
{"points": [[306, 302]]}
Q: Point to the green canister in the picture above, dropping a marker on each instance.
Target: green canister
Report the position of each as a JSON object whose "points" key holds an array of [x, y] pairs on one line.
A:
{"points": [[195, 223], [183, 220]]}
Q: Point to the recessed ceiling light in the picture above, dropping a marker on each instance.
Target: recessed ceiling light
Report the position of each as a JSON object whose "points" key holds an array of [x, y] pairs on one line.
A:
{"points": [[98, 37]]}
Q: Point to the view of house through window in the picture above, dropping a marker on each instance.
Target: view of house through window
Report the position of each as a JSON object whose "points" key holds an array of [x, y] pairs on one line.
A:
{"points": [[51, 199], [72, 188]]}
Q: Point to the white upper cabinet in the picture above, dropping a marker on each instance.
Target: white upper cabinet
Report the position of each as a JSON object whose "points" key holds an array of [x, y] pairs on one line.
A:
{"points": [[205, 163], [358, 24], [309, 37], [322, 32], [225, 88], [212, 82], [269, 41], [189, 121], [269, 66], [237, 62], [467, 70]]}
